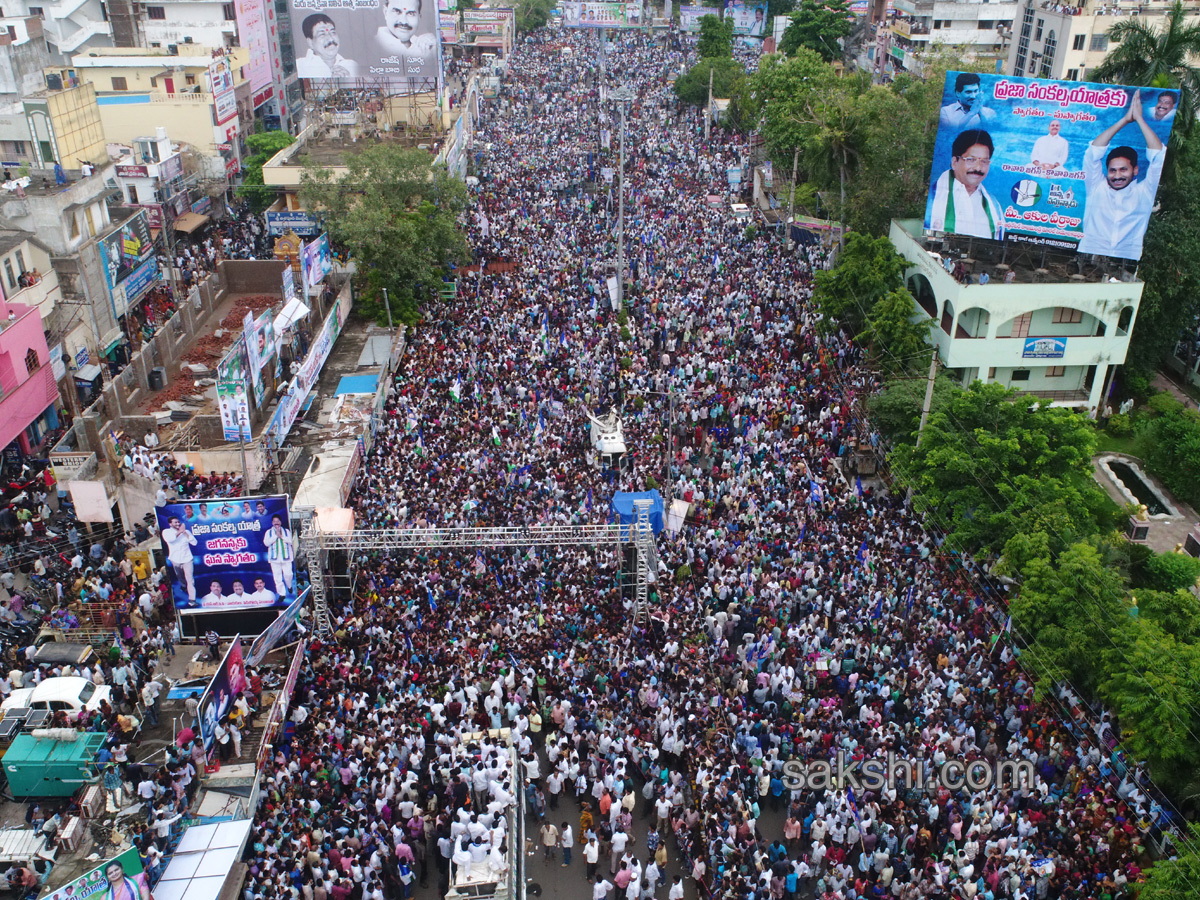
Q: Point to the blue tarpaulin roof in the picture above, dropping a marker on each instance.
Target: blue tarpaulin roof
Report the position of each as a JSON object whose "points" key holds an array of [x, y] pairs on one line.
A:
{"points": [[622, 509], [357, 384]]}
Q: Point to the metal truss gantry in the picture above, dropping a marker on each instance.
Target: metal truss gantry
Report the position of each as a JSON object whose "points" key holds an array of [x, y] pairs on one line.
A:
{"points": [[315, 544]]}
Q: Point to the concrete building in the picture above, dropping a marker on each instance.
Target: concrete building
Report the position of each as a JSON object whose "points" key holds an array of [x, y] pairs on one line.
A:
{"points": [[150, 176], [981, 30], [28, 389], [1053, 330], [1066, 42], [193, 94], [210, 23], [75, 25]]}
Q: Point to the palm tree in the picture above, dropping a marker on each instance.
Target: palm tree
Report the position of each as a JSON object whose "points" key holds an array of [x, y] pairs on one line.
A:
{"points": [[1156, 57]]}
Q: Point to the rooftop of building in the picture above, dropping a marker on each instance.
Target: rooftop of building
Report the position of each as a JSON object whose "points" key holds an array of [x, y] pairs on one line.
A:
{"points": [[43, 182], [1029, 264]]}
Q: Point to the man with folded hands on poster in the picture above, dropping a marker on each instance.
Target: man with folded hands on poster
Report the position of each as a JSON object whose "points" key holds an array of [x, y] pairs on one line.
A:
{"points": [[281, 554], [1118, 204]]}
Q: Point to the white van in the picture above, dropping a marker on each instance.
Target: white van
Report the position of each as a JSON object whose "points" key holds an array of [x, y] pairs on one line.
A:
{"points": [[69, 692]]}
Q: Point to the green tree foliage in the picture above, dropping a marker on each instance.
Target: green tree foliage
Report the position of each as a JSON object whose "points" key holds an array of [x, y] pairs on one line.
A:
{"points": [[397, 214], [994, 464], [867, 270], [897, 338], [1176, 878], [818, 26], [896, 410], [1158, 52], [1174, 438], [716, 37], [728, 77], [1170, 265], [1172, 571], [264, 145], [533, 14], [1065, 610], [1177, 612]]}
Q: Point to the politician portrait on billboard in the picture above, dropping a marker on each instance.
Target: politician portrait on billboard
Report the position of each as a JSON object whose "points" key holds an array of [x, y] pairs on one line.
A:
{"points": [[376, 40], [1065, 165]]}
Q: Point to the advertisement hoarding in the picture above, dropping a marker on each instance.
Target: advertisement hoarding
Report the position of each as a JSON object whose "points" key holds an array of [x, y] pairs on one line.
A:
{"points": [[276, 631], [297, 389], [232, 399], [1044, 348], [690, 16], [448, 25], [229, 553], [289, 286], [218, 699], [95, 884], [279, 708], [304, 224], [315, 262], [1064, 165], [749, 19], [586, 14], [392, 40], [130, 266], [253, 35]]}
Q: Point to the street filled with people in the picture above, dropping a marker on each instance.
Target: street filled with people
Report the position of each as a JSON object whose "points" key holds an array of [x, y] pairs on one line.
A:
{"points": [[797, 615]]}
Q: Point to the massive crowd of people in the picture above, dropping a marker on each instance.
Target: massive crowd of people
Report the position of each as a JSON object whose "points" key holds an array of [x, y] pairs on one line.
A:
{"points": [[797, 616]]}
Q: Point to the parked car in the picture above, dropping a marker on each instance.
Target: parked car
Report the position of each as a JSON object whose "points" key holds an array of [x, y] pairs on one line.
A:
{"points": [[68, 692]]}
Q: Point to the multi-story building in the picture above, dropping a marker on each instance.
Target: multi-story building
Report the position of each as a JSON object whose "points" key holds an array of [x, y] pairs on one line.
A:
{"points": [[980, 30], [1036, 329], [210, 23], [192, 93], [1066, 42], [72, 26], [29, 395]]}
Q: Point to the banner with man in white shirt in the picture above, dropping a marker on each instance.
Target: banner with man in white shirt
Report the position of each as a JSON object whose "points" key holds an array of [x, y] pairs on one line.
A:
{"points": [[1057, 164], [229, 553]]}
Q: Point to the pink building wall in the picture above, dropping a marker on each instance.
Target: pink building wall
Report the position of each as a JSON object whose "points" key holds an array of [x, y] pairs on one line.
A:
{"points": [[26, 394]]}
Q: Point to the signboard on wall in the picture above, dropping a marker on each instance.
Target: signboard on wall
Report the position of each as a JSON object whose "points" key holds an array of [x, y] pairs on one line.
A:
{"points": [[304, 224], [229, 553], [315, 262], [253, 35], [1058, 164], [1044, 348], [130, 266], [394, 40], [690, 16], [589, 14], [95, 885], [232, 386]]}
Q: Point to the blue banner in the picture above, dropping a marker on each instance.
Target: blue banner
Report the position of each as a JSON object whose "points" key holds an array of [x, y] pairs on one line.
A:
{"points": [[229, 554], [1059, 164], [303, 223], [1044, 348]]}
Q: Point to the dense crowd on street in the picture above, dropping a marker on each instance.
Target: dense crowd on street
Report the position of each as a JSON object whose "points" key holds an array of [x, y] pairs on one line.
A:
{"points": [[797, 615]]}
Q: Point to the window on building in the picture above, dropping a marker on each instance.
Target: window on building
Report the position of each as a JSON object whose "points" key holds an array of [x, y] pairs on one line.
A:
{"points": [[37, 11], [1037, 32], [119, 84], [133, 195], [32, 363], [1072, 74], [189, 79], [1078, 41], [1056, 371], [20, 258], [74, 226], [1099, 43], [8, 271], [230, 12], [157, 13], [1020, 326], [104, 12], [1020, 375], [1050, 48], [1065, 315], [986, 24], [91, 221]]}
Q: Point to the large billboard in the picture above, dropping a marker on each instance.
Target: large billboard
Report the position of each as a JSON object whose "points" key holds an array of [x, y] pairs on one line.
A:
{"points": [[379, 40], [222, 691], [1057, 164], [233, 401], [315, 262], [690, 16], [253, 35], [589, 14], [130, 266], [749, 19], [98, 884], [229, 553]]}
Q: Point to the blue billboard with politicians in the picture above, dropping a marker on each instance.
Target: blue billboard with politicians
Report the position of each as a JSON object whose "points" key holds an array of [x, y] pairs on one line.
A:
{"points": [[1059, 164], [229, 553]]}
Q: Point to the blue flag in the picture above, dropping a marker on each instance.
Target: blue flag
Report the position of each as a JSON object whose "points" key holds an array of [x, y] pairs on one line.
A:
{"points": [[862, 551], [589, 500], [908, 606], [814, 491], [858, 486], [878, 613]]}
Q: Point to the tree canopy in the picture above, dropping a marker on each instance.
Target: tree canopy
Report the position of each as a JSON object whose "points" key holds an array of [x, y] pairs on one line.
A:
{"points": [[398, 215], [818, 26], [716, 37], [264, 145]]}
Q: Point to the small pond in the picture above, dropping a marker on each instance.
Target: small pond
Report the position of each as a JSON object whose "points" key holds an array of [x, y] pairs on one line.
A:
{"points": [[1136, 486]]}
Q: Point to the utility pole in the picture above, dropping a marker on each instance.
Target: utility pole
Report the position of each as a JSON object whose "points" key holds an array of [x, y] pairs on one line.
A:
{"points": [[928, 395], [708, 109], [388, 305], [624, 94], [791, 201]]}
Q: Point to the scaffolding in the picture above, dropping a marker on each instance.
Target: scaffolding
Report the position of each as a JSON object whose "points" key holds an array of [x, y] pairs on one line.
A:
{"points": [[316, 545]]}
